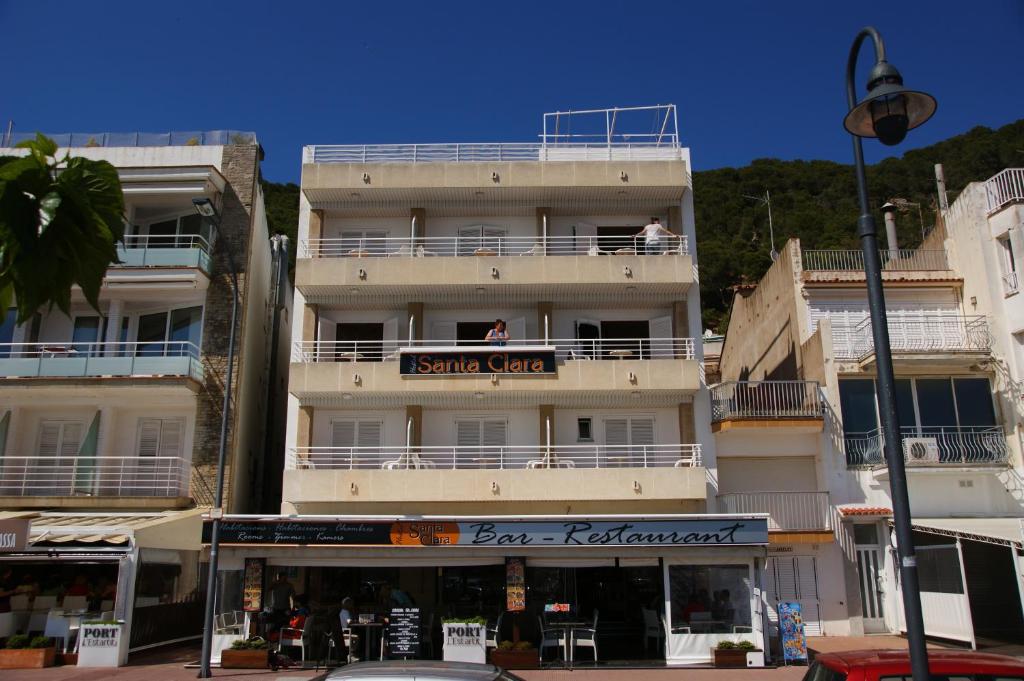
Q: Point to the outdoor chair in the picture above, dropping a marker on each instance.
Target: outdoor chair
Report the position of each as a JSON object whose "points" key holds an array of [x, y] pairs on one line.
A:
{"points": [[550, 638], [586, 638], [653, 629], [536, 249], [495, 633]]}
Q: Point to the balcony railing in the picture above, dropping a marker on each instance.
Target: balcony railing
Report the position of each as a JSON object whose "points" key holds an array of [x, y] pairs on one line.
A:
{"points": [[921, 333], [565, 348], [932, 445], [1011, 284], [71, 359], [494, 457], [182, 250], [765, 400], [658, 148], [468, 246], [1004, 188], [902, 260], [101, 476], [787, 511], [189, 138]]}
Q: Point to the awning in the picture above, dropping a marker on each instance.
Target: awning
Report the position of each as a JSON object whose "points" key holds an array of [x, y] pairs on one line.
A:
{"points": [[169, 530], [1001, 531]]}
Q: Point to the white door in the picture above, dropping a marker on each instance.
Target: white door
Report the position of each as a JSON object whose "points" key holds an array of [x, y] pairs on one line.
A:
{"points": [[481, 442], [442, 333], [794, 578], [390, 337], [59, 442], [661, 338], [872, 592], [354, 443], [628, 441]]}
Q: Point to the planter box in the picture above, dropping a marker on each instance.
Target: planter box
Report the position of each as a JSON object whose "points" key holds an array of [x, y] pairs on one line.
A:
{"points": [[27, 658], [465, 642], [67, 659], [243, 659], [515, 659], [736, 658]]}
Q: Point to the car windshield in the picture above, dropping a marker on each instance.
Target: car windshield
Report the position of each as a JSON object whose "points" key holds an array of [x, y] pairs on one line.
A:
{"points": [[819, 672]]}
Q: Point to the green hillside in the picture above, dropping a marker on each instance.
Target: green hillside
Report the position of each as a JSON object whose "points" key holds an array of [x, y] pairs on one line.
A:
{"points": [[812, 200]]}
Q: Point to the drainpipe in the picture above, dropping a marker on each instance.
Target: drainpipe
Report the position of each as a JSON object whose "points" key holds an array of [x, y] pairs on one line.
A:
{"points": [[889, 210]]}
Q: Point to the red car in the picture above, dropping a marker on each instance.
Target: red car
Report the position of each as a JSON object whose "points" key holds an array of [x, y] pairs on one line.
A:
{"points": [[894, 665]]}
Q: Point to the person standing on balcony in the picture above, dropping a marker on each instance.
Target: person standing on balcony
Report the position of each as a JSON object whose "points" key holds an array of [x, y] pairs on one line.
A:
{"points": [[497, 336], [655, 236]]}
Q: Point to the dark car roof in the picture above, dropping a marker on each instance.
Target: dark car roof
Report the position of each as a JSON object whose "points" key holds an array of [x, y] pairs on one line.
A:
{"points": [[423, 669], [939, 661]]}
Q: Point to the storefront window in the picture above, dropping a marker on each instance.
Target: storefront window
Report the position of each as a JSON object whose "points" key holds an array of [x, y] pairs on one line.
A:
{"points": [[710, 599]]}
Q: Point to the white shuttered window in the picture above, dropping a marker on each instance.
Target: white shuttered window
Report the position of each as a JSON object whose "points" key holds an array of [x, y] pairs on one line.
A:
{"points": [[60, 439], [160, 437]]}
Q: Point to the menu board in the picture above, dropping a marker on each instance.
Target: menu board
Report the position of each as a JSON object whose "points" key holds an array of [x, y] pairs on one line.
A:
{"points": [[404, 632], [252, 588], [515, 584], [791, 630]]}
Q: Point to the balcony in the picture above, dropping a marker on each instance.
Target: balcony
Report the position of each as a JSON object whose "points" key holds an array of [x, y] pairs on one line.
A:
{"points": [[103, 481], [766, 404], [1004, 188], [840, 266], [450, 474], [787, 511], [922, 337], [100, 360], [486, 246], [660, 149], [935, 446], [184, 250], [655, 372]]}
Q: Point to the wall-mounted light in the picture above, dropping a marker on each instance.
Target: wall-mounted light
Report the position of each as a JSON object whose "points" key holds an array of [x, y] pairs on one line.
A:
{"points": [[636, 486], [494, 487], [366, 178], [204, 206], [623, 176], [362, 273], [494, 272], [357, 379], [632, 377], [627, 271], [494, 379], [494, 177], [353, 488]]}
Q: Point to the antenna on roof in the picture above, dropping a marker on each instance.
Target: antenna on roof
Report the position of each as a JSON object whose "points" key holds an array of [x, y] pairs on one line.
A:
{"points": [[766, 200]]}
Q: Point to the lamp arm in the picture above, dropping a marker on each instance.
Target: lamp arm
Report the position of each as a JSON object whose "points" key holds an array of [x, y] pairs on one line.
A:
{"points": [[851, 62]]}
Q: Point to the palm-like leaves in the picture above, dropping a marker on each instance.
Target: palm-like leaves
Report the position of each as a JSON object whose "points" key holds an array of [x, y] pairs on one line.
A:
{"points": [[60, 222]]}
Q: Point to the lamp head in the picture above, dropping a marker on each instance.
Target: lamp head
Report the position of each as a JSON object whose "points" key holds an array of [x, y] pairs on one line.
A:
{"points": [[888, 110], [204, 206]]}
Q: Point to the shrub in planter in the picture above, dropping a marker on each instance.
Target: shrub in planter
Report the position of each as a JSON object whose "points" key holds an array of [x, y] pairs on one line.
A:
{"points": [[25, 653], [732, 655], [518, 655], [251, 654]]}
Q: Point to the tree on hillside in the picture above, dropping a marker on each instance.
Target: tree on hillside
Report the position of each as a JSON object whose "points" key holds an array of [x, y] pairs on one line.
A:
{"points": [[60, 222]]}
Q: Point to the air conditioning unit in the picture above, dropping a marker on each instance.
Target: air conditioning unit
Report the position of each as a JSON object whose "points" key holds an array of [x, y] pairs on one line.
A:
{"points": [[920, 450]]}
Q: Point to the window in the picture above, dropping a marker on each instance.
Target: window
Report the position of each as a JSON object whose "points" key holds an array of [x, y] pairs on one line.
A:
{"points": [[1008, 265], [175, 232], [482, 239], [585, 429], [627, 440], [362, 433], [710, 599], [175, 333], [358, 241], [7, 332], [480, 440], [160, 437], [938, 569], [865, 534], [60, 439], [362, 342], [857, 402], [86, 334]]}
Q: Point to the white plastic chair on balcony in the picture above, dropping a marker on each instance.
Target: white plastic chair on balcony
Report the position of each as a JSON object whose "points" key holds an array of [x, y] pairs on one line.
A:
{"points": [[536, 249], [404, 251]]}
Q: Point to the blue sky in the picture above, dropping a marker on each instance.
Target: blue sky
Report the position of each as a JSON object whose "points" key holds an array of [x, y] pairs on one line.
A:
{"points": [[752, 79]]}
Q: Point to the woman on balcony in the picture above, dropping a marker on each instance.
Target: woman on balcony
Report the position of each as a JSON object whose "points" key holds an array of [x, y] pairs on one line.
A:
{"points": [[497, 336]]}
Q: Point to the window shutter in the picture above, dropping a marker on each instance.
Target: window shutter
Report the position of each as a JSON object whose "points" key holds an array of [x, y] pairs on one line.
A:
{"points": [[616, 432], [661, 330], [495, 433], [442, 332], [170, 437], [390, 336], [343, 434], [149, 437], [467, 433], [368, 434], [71, 440], [49, 439], [517, 329], [641, 431]]}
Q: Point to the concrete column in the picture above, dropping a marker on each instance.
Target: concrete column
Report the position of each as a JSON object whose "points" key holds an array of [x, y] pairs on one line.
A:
{"points": [[105, 436], [316, 230], [681, 320], [420, 216], [544, 220], [415, 412], [544, 312], [115, 313], [416, 315], [310, 323], [675, 220], [547, 412], [304, 428], [687, 432]]}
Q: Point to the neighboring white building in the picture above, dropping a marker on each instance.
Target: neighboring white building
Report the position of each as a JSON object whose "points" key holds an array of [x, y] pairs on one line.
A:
{"points": [[110, 418]]}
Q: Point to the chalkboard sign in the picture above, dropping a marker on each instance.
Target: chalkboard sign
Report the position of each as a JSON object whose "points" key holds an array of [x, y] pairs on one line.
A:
{"points": [[404, 632], [252, 587]]}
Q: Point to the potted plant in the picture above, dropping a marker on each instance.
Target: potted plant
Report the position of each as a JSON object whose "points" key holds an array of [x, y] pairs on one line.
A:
{"points": [[251, 654], [465, 639], [25, 653], [515, 655], [733, 655]]}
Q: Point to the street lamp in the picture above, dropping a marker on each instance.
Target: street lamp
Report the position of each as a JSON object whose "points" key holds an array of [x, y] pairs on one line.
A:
{"points": [[887, 112], [205, 208]]}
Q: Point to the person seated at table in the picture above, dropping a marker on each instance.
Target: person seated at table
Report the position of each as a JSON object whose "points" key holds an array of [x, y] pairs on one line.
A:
{"points": [[693, 605], [297, 622], [498, 336], [348, 612], [80, 587]]}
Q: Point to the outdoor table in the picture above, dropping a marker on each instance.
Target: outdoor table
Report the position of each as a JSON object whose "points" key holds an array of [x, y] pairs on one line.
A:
{"points": [[570, 630], [621, 354], [356, 253], [485, 251], [377, 628], [349, 356]]}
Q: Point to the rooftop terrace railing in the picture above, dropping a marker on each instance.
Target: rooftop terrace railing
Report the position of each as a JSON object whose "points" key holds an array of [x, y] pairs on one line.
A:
{"points": [[1004, 188], [667, 148], [189, 138], [466, 246], [565, 348], [100, 476], [100, 359], [765, 400], [902, 260], [494, 457], [949, 446], [913, 332]]}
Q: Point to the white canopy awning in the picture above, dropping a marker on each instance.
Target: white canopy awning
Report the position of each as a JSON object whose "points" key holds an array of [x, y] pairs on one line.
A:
{"points": [[1002, 531]]}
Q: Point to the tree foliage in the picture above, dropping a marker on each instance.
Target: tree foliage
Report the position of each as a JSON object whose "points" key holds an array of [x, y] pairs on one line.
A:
{"points": [[282, 203], [60, 222]]}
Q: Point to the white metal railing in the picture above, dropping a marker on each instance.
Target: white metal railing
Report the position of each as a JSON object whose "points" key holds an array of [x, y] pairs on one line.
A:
{"points": [[1004, 188], [950, 445], [462, 246], [792, 511], [178, 138], [921, 333], [765, 399], [902, 260], [72, 359], [643, 150], [565, 348], [1011, 283], [494, 457], [170, 250], [166, 241], [103, 476]]}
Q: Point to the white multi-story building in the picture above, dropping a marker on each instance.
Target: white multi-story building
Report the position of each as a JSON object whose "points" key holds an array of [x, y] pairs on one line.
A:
{"points": [[798, 408], [427, 460], [110, 418]]}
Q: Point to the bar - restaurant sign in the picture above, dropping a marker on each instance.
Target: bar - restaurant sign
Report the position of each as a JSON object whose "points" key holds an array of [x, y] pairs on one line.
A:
{"points": [[14, 534], [737, 531], [520, 361]]}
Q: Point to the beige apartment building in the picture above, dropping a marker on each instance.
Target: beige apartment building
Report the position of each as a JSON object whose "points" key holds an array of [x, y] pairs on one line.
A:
{"points": [[424, 458]]}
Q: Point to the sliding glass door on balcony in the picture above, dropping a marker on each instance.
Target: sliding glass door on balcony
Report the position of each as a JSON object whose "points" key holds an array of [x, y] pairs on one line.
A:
{"points": [[946, 420]]}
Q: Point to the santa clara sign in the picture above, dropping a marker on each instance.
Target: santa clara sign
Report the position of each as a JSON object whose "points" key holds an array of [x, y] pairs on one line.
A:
{"points": [[522, 361]]}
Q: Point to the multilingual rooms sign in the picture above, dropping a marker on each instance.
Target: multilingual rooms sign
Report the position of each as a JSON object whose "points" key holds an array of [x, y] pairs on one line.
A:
{"points": [[520, 361], [735, 531]]}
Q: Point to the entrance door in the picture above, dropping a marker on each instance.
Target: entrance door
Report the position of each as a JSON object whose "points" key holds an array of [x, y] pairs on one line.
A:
{"points": [[795, 578], [870, 570]]}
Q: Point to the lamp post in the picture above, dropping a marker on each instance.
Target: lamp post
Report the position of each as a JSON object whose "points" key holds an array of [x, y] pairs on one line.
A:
{"points": [[205, 208], [887, 112]]}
